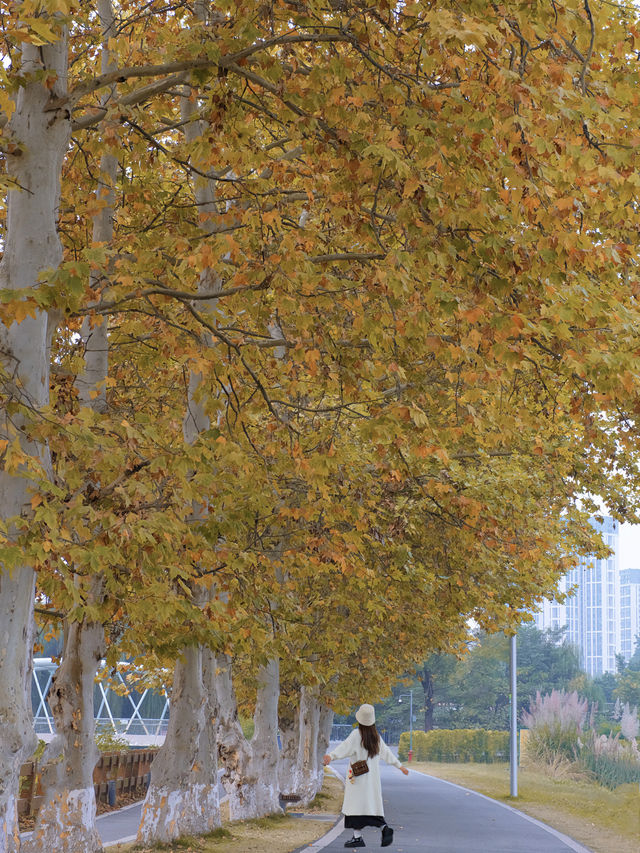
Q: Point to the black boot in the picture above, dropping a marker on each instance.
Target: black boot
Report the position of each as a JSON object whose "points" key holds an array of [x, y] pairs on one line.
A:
{"points": [[355, 842], [387, 836]]}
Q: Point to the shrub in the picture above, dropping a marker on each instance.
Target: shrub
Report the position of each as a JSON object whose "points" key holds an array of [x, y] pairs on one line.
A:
{"points": [[555, 722], [557, 734], [629, 725], [608, 727], [109, 741], [453, 745], [610, 762]]}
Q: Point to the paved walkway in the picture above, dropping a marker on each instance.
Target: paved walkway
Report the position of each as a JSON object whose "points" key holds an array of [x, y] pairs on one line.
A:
{"points": [[121, 826], [429, 815], [115, 827]]}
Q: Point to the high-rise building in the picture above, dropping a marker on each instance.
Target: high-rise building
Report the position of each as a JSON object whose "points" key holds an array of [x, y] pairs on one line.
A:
{"points": [[629, 611], [552, 614], [591, 614]]}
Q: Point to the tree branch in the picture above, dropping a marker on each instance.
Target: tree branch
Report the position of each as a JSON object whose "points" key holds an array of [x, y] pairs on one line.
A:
{"points": [[96, 114], [347, 256], [120, 75], [587, 58], [159, 289]]}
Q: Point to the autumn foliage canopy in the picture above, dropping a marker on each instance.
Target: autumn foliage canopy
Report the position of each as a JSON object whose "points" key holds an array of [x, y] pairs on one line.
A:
{"points": [[390, 252]]}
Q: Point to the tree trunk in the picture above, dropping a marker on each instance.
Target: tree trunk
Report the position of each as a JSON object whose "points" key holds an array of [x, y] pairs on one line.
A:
{"points": [[234, 750], [251, 769], [264, 744], [91, 382], [209, 736], [31, 245], [66, 819], [308, 745], [426, 680], [183, 796], [17, 738], [305, 729], [324, 736], [289, 723], [315, 721]]}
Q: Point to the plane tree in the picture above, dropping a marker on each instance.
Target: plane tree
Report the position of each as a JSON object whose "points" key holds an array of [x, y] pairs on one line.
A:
{"points": [[430, 210]]}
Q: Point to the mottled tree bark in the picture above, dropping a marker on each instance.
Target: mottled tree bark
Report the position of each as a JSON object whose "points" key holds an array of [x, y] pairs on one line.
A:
{"points": [[289, 724], [305, 728], [264, 744], [66, 820], [251, 769], [17, 738], [325, 725], [31, 245], [234, 750], [309, 719], [315, 729], [183, 797]]}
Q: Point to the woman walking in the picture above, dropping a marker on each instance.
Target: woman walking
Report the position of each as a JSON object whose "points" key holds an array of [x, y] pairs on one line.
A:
{"points": [[362, 804]]}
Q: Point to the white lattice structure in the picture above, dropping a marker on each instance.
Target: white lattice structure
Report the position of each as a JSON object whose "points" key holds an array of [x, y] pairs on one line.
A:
{"points": [[125, 710]]}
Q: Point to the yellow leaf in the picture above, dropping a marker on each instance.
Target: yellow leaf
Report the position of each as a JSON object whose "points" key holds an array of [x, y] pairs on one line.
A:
{"points": [[410, 186], [23, 309]]}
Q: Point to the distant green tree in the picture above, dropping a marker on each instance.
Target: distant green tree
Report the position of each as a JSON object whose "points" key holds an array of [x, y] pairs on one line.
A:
{"points": [[482, 689], [435, 677], [392, 715], [628, 687], [473, 692], [634, 661], [478, 685], [546, 661], [607, 683], [591, 689]]}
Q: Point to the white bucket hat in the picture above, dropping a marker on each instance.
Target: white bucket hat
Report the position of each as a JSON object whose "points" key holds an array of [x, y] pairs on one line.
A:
{"points": [[366, 715]]}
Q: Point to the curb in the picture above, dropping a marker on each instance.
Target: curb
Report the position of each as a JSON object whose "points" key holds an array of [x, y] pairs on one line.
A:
{"points": [[323, 842], [336, 830], [120, 841]]}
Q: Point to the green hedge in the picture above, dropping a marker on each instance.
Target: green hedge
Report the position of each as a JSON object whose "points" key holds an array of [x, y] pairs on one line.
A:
{"points": [[456, 745]]}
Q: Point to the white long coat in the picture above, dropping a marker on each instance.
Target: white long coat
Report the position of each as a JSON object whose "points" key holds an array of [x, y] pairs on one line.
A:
{"points": [[363, 794]]}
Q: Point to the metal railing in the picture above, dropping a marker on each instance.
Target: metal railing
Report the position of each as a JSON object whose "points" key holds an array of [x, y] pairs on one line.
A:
{"points": [[130, 717]]}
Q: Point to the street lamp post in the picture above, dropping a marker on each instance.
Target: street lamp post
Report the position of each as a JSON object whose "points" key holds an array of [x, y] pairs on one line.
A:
{"points": [[513, 751], [400, 698]]}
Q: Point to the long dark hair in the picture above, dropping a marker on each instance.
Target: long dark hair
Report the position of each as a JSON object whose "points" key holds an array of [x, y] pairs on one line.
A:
{"points": [[370, 739]]}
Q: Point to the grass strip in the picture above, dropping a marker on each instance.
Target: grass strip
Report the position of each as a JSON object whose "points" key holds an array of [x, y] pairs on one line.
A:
{"points": [[272, 834]]}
